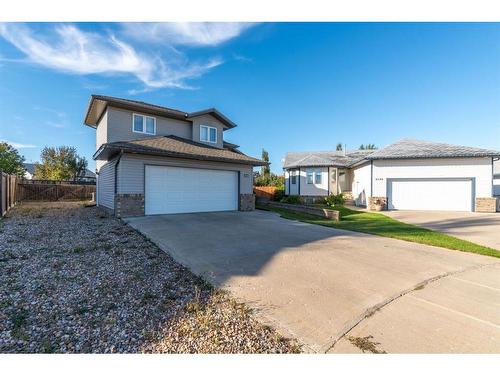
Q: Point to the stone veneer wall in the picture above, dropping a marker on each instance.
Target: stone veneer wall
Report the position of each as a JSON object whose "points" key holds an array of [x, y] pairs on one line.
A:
{"points": [[486, 204], [311, 210], [129, 205], [312, 199], [372, 200], [247, 202]]}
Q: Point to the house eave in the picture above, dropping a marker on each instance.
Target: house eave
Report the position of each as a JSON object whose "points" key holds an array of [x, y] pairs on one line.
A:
{"points": [[469, 156], [106, 152], [98, 105]]}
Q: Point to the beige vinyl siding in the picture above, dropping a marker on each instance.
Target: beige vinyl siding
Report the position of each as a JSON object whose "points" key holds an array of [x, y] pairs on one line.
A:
{"points": [[119, 127], [131, 171], [101, 136], [106, 185], [101, 132]]}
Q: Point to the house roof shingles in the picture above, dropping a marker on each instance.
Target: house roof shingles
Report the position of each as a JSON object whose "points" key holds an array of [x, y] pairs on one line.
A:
{"points": [[403, 149], [324, 158], [98, 104], [30, 168], [415, 149], [174, 146]]}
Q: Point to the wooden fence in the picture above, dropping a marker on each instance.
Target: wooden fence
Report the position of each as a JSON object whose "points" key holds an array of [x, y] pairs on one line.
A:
{"points": [[8, 189], [14, 189], [54, 182], [265, 192], [28, 191]]}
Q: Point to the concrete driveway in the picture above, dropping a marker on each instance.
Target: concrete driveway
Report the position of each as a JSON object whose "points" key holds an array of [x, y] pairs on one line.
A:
{"points": [[321, 285], [481, 228]]}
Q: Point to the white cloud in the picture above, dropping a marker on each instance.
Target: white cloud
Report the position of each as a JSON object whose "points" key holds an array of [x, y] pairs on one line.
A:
{"points": [[59, 114], [186, 33], [242, 58], [72, 50], [17, 145], [58, 125]]}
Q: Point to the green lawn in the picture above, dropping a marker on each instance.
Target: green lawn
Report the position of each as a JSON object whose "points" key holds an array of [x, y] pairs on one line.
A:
{"points": [[381, 225]]}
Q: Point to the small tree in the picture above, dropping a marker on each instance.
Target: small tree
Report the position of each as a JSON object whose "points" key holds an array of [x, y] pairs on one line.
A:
{"points": [[10, 160], [60, 163], [265, 171], [339, 147]]}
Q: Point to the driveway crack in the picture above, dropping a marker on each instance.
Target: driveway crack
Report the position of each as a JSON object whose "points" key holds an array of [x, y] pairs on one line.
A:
{"points": [[373, 309]]}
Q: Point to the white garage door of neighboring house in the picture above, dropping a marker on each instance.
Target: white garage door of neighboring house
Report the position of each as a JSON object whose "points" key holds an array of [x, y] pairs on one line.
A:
{"points": [[170, 190], [430, 194]]}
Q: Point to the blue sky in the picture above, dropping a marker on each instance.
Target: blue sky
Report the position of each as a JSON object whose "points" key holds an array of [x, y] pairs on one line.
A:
{"points": [[289, 86]]}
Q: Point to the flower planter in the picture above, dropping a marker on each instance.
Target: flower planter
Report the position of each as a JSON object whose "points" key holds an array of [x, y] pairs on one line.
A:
{"points": [[311, 210]]}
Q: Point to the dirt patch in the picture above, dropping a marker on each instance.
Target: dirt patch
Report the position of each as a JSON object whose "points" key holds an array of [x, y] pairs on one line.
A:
{"points": [[366, 344]]}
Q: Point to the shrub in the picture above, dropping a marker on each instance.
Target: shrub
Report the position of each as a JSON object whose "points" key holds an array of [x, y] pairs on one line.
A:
{"points": [[279, 194], [335, 200], [269, 180], [292, 199]]}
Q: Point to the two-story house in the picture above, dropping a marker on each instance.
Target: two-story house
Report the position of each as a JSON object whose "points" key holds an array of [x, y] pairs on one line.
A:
{"points": [[156, 160]]}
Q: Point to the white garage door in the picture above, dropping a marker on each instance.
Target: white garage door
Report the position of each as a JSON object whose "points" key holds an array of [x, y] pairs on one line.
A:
{"points": [[430, 194], [172, 190]]}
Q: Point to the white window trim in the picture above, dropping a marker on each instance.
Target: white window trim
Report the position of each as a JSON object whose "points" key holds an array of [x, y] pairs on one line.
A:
{"points": [[208, 133], [293, 177], [320, 176], [314, 174], [143, 124]]}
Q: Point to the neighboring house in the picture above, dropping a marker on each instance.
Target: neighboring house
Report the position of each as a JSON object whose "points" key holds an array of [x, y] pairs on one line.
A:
{"points": [[409, 174], [156, 160], [29, 170], [496, 178], [89, 176]]}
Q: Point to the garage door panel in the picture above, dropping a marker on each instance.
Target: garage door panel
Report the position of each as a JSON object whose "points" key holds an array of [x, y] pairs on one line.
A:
{"points": [[430, 194], [183, 190]]}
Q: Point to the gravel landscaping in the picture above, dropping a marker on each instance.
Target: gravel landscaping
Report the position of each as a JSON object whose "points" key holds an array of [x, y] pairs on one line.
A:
{"points": [[75, 280]]}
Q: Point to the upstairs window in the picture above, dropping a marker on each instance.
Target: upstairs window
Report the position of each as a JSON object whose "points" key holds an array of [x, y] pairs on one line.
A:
{"points": [[294, 177], [309, 176], [208, 134], [317, 176], [144, 124]]}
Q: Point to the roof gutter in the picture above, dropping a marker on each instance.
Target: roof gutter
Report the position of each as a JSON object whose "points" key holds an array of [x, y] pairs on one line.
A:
{"points": [[178, 155]]}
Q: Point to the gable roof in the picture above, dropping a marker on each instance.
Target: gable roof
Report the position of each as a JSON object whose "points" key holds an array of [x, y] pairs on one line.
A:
{"points": [[416, 149], [98, 104], [30, 168], [403, 149], [174, 146], [215, 113], [89, 174]]}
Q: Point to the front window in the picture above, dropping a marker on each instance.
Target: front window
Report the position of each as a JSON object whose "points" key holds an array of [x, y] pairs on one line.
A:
{"points": [[144, 124], [294, 177], [317, 176], [309, 176], [208, 134]]}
